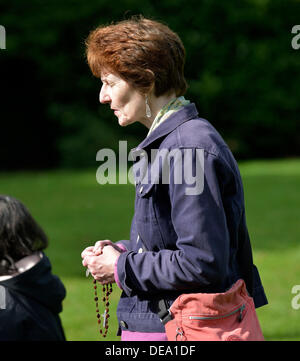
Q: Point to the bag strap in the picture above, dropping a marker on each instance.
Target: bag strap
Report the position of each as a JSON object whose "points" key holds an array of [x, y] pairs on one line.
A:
{"points": [[164, 313]]}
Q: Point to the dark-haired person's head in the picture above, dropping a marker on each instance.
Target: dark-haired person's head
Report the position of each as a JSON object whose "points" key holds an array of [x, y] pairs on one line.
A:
{"points": [[20, 234]]}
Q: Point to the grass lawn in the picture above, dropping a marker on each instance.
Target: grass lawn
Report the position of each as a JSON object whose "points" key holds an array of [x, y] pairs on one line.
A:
{"points": [[75, 211]]}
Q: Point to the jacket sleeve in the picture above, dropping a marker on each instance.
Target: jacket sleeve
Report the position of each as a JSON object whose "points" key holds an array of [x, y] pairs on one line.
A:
{"points": [[124, 244], [201, 255]]}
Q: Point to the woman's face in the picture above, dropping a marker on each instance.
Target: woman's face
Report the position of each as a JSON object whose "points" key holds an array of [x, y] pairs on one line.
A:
{"points": [[127, 103]]}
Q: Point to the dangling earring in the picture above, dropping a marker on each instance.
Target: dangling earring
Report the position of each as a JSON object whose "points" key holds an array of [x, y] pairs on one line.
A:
{"points": [[148, 110]]}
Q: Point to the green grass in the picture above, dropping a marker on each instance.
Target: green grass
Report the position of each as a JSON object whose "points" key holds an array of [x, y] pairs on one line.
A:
{"points": [[272, 204], [76, 211]]}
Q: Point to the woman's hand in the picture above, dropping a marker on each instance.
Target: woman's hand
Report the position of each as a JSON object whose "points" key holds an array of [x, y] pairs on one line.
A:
{"points": [[87, 251], [102, 262], [100, 244], [97, 248]]}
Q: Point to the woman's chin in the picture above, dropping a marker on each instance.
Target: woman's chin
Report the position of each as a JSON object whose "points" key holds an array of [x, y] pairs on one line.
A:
{"points": [[123, 121]]}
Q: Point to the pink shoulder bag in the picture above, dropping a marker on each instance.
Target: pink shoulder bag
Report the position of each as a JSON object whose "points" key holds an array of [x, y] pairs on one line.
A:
{"points": [[228, 316]]}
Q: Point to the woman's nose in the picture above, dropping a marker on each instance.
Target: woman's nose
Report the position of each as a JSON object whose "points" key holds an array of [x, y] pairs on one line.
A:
{"points": [[104, 96]]}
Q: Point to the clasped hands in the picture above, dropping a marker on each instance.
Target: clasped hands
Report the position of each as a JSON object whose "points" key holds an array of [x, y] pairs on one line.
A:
{"points": [[100, 260]]}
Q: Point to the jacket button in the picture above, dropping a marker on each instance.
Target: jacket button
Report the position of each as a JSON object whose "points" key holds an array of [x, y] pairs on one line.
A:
{"points": [[141, 189], [123, 324], [140, 250]]}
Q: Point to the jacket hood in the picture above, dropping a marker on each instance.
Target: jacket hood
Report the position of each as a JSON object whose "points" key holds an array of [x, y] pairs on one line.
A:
{"points": [[40, 284]]}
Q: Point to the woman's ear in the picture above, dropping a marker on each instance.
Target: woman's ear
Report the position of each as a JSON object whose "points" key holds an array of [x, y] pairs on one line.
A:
{"points": [[152, 80]]}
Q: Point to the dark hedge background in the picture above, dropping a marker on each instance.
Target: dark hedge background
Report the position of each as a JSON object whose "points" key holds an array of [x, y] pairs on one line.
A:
{"points": [[242, 72]]}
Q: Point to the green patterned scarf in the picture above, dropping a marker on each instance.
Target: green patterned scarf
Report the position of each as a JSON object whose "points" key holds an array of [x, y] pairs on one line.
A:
{"points": [[173, 106]]}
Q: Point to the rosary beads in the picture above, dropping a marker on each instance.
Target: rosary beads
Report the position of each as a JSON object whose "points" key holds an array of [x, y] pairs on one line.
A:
{"points": [[107, 290]]}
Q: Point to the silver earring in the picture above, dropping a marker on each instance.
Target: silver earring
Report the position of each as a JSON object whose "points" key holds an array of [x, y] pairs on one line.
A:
{"points": [[148, 110]]}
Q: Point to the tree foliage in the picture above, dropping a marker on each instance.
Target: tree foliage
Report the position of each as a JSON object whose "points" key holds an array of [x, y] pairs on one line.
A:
{"points": [[241, 68]]}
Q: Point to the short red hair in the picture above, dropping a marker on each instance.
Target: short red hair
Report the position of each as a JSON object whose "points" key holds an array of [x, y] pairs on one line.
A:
{"points": [[130, 47]]}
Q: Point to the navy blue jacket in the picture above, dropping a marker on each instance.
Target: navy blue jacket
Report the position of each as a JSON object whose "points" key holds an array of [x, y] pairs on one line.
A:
{"points": [[33, 301], [181, 242]]}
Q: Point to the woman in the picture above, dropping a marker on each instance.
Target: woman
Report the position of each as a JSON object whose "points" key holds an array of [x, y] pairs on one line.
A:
{"points": [[31, 295], [181, 240]]}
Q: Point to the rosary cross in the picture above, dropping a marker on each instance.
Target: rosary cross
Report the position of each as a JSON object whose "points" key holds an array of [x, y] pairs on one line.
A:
{"points": [[104, 318]]}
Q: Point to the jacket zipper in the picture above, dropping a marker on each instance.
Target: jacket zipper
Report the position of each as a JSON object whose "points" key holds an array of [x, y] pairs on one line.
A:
{"points": [[240, 310]]}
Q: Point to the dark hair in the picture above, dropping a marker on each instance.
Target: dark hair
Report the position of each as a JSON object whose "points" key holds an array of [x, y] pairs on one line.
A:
{"points": [[20, 235], [131, 47]]}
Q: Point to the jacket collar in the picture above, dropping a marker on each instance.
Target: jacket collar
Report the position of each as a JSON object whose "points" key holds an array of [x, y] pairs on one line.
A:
{"points": [[172, 122]]}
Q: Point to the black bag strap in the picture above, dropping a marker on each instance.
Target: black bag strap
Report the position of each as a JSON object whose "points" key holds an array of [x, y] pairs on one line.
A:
{"points": [[164, 313]]}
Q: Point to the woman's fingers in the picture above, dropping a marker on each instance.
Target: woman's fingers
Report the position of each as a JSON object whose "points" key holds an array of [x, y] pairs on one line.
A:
{"points": [[90, 258], [87, 251], [102, 266], [84, 262], [96, 250], [99, 246]]}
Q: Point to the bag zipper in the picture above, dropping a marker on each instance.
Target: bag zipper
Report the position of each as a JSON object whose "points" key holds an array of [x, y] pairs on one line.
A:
{"points": [[240, 310]]}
